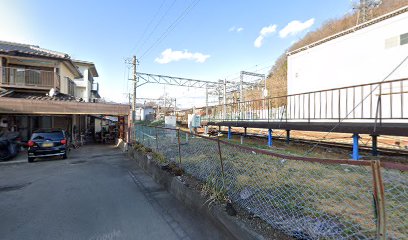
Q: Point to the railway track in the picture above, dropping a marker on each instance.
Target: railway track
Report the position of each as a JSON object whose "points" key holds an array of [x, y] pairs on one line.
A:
{"points": [[366, 149]]}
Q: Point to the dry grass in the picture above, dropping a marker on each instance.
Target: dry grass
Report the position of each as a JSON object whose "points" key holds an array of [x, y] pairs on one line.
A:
{"points": [[338, 193]]}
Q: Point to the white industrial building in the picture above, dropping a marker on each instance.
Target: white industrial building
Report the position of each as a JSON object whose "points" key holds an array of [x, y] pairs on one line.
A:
{"points": [[366, 53]]}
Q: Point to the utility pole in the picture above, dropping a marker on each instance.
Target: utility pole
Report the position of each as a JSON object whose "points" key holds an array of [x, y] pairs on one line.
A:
{"points": [[241, 95], [241, 87], [134, 90], [224, 110], [206, 100], [175, 105], [363, 11]]}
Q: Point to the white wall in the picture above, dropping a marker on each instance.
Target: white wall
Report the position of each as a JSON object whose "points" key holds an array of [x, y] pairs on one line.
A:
{"points": [[83, 85], [356, 58]]}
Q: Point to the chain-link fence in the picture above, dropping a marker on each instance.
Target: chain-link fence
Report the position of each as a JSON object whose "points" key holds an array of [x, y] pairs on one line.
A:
{"points": [[304, 197], [396, 202]]}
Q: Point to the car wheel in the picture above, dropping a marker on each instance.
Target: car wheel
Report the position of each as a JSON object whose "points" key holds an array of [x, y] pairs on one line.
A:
{"points": [[30, 159]]}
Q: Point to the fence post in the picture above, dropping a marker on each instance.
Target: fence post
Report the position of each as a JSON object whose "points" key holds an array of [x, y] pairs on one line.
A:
{"points": [[179, 147], [143, 135], [222, 163], [268, 108], [308, 108], [340, 105], [157, 141], [379, 200]]}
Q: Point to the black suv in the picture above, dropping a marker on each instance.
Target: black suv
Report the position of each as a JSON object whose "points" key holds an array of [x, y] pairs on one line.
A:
{"points": [[47, 142]]}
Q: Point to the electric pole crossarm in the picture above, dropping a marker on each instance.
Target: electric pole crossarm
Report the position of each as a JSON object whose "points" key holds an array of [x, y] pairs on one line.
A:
{"points": [[185, 82], [253, 74], [176, 81]]}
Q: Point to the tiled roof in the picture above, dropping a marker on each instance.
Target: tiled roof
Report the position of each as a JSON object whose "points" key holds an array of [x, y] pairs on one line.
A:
{"points": [[38, 96], [10, 47]]}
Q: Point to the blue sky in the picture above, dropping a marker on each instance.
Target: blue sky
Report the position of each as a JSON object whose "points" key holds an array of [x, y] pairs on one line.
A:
{"points": [[215, 40]]}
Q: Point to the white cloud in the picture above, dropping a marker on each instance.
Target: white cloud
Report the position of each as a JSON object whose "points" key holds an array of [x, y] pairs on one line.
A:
{"points": [[295, 27], [235, 29], [265, 31], [168, 56]]}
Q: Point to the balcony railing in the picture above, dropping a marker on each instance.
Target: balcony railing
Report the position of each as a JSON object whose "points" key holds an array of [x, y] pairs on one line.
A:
{"points": [[95, 87], [28, 78], [71, 87]]}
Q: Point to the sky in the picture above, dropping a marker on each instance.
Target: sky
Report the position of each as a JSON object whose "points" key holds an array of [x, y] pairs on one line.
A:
{"points": [[206, 40]]}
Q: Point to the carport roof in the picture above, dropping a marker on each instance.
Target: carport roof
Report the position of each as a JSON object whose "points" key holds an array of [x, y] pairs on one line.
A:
{"points": [[10, 105]]}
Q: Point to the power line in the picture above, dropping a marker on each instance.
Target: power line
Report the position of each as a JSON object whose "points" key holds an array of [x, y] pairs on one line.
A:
{"points": [[171, 27], [148, 26], [248, 69], [157, 24]]}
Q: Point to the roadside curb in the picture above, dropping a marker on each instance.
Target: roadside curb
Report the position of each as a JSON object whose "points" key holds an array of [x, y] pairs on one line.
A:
{"points": [[13, 162], [192, 199]]}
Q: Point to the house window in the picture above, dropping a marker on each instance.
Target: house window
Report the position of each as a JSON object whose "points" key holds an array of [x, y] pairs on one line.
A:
{"points": [[404, 38]]}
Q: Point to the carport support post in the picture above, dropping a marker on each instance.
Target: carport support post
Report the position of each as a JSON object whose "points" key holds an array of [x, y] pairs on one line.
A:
{"points": [[355, 154], [287, 136], [229, 132], [270, 137], [374, 150], [245, 131]]}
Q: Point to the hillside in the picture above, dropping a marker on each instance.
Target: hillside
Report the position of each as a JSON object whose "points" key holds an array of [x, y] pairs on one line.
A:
{"points": [[277, 78]]}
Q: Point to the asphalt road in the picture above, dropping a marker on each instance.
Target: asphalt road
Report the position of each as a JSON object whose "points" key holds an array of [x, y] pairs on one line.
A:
{"points": [[96, 194]]}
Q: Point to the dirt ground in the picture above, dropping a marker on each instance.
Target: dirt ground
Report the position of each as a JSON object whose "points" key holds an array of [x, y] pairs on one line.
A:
{"points": [[398, 144]]}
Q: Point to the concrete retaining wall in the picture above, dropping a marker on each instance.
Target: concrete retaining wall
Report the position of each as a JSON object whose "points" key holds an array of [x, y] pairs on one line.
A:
{"points": [[192, 199]]}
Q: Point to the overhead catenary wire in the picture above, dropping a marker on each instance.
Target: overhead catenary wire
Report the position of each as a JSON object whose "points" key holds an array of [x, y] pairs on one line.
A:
{"points": [[148, 25], [249, 69], [157, 24], [352, 110], [171, 27]]}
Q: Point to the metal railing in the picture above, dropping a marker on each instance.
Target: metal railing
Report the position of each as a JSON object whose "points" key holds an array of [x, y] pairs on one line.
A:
{"points": [[71, 87], [28, 78], [307, 198], [367, 102]]}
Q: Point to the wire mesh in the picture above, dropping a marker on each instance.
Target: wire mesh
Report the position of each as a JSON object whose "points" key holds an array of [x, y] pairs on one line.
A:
{"points": [[167, 144], [396, 200], [304, 199], [200, 158]]}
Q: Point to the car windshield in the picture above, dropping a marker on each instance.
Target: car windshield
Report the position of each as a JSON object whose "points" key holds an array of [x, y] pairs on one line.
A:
{"points": [[48, 136]]}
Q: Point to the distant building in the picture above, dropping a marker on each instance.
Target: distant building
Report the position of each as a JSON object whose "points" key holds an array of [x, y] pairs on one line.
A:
{"points": [[366, 53], [145, 113]]}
